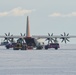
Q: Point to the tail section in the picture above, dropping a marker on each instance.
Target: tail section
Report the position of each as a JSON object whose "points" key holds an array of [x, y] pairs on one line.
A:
{"points": [[28, 28], [29, 40]]}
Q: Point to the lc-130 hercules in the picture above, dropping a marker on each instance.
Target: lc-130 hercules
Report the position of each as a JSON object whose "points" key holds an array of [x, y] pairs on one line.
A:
{"points": [[25, 42]]}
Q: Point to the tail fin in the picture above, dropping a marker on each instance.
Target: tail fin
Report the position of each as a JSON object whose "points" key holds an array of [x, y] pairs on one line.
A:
{"points": [[28, 28]]}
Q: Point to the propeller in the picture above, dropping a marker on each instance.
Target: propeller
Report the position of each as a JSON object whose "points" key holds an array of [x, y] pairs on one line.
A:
{"points": [[65, 39], [8, 39], [21, 39], [50, 39]]}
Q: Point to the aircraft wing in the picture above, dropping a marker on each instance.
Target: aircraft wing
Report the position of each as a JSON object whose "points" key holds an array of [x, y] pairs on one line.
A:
{"points": [[39, 36], [56, 36], [12, 37]]}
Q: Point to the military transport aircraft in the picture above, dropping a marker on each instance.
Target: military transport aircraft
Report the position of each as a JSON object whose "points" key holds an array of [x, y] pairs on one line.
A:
{"points": [[32, 40]]}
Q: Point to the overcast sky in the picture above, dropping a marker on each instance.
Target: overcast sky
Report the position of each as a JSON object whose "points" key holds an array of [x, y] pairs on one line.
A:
{"points": [[46, 16]]}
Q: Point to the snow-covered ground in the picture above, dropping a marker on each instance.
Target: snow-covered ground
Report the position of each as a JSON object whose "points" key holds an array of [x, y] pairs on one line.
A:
{"points": [[38, 62]]}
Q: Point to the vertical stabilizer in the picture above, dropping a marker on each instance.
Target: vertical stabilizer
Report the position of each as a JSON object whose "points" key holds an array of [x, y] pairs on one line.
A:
{"points": [[28, 28]]}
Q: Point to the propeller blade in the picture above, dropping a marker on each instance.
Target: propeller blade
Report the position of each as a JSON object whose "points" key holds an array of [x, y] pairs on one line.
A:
{"points": [[48, 34], [12, 35], [62, 40], [68, 34], [52, 34], [67, 40], [5, 34], [51, 41], [61, 34], [64, 34], [9, 34], [21, 34], [48, 42], [24, 34]]}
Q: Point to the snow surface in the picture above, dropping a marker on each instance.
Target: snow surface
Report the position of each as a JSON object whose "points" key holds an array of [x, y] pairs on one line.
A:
{"points": [[38, 62]]}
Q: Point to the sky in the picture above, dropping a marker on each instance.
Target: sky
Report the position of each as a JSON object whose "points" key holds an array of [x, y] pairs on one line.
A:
{"points": [[46, 16]]}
